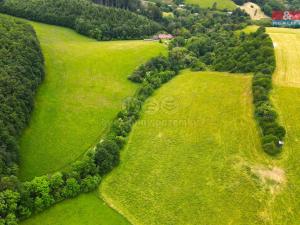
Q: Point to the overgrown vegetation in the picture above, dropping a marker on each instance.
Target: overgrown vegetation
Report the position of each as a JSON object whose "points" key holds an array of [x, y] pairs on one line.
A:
{"points": [[87, 18], [21, 72]]}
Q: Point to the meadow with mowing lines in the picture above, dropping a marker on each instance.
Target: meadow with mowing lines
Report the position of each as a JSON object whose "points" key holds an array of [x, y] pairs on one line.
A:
{"points": [[87, 209], [221, 4], [287, 48], [195, 157], [85, 84], [286, 97]]}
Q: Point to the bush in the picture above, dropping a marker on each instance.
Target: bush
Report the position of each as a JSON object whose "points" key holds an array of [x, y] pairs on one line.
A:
{"points": [[271, 149], [107, 156], [198, 66], [154, 65]]}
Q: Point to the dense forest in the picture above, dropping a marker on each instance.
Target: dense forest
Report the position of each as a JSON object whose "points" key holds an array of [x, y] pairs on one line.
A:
{"points": [[21, 71], [132, 5], [93, 20]]}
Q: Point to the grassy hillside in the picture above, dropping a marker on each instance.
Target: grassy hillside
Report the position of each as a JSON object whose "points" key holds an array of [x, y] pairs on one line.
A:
{"points": [[85, 84], [287, 99], [221, 4], [287, 46], [195, 157], [87, 209]]}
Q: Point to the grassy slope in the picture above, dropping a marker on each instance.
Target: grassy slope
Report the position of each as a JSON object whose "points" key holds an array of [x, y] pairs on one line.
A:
{"points": [[221, 4], [286, 96], [287, 45], [197, 171], [87, 209], [85, 84]]}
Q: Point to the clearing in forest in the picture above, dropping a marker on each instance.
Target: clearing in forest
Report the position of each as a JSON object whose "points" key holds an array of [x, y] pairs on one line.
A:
{"points": [[85, 84], [220, 4]]}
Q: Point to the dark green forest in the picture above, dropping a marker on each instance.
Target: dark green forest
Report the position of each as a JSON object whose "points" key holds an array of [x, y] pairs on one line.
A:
{"points": [[21, 72], [87, 18]]}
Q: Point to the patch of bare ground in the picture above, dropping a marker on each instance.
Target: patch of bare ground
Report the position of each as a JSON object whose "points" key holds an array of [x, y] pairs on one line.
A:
{"points": [[254, 11], [273, 179]]}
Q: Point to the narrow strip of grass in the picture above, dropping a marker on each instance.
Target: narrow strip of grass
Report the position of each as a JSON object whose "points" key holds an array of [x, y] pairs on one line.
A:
{"points": [[87, 209]]}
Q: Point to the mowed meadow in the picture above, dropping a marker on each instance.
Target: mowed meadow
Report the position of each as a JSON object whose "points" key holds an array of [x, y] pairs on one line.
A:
{"points": [[220, 4], [286, 97], [195, 157], [85, 84]]}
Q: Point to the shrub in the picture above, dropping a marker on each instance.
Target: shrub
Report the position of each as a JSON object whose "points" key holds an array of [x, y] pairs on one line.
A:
{"points": [[71, 188], [198, 66], [107, 156], [271, 148]]}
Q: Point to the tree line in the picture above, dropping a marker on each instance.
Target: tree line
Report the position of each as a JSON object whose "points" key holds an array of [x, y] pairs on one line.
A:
{"points": [[21, 72], [87, 18]]}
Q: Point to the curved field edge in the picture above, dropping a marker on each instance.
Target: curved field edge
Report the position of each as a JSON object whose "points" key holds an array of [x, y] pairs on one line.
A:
{"points": [[85, 85], [195, 157], [87, 209]]}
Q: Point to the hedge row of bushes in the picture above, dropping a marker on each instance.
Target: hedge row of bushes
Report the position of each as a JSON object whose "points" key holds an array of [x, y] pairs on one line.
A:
{"points": [[87, 18], [265, 113], [20, 200], [21, 72]]}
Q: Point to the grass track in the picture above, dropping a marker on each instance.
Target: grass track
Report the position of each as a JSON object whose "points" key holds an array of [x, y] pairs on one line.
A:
{"points": [[189, 159], [87, 209], [221, 4], [86, 82]]}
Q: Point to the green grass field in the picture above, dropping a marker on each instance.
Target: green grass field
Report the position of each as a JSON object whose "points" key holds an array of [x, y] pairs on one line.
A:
{"points": [[87, 209], [287, 46], [286, 97], [221, 4], [86, 82], [195, 157]]}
